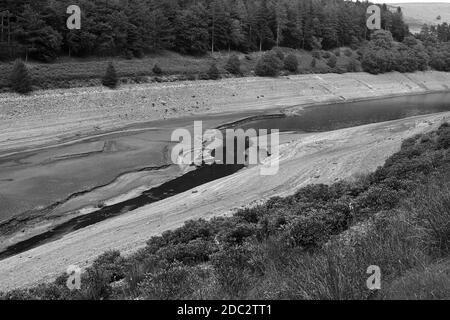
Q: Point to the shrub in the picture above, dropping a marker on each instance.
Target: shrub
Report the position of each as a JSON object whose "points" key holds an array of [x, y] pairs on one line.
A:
{"points": [[203, 76], [332, 61], [233, 271], [111, 264], [157, 70], [326, 54], [233, 65], [110, 79], [313, 63], [20, 80], [269, 65], [316, 54], [348, 52], [213, 72], [175, 282], [353, 66], [279, 53], [291, 63]]}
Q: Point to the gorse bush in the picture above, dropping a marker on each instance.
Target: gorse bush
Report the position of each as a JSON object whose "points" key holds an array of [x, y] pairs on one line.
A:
{"points": [[110, 79], [20, 80]]}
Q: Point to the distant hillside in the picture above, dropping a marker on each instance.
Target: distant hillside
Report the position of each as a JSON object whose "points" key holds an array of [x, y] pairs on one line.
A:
{"points": [[417, 14]]}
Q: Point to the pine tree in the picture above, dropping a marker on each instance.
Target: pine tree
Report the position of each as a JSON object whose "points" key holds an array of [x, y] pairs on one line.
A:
{"points": [[262, 30], [281, 21], [110, 79], [41, 41], [20, 80]]}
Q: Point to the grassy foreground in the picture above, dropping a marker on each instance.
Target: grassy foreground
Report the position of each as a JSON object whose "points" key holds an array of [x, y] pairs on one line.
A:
{"points": [[316, 244]]}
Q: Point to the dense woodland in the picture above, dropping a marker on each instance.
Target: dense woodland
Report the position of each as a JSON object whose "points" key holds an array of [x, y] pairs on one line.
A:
{"points": [[134, 27]]}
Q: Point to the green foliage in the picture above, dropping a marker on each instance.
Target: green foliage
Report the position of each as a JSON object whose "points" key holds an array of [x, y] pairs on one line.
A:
{"points": [[291, 63], [382, 54], [326, 54], [269, 65], [233, 65], [431, 282], [332, 61], [354, 66], [233, 270], [175, 282], [316, 54], [279, 53], [213, 72], [132, 28], [157, 70], [348, 52], [110, 79], [20, 80], [440, 56]]}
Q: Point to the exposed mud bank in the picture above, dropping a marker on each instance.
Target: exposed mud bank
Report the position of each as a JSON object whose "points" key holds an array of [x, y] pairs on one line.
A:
{"points": [[47, 117]]}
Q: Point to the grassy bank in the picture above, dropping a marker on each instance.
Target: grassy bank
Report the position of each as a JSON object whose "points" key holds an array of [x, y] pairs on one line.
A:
{"points": [[316, 244], [71, 72]]}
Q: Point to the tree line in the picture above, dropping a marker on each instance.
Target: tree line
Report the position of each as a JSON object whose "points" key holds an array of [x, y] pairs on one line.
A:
{"points": [[135, 27]]}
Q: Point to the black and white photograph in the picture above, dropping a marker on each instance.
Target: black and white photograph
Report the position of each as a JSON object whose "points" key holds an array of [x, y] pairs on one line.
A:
{"points": [[241, 152]]}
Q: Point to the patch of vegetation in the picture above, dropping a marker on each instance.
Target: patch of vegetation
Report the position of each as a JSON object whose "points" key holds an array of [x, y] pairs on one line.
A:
{"points": [[157, 70], [269, 65], [110, 79], [233, 65], [291, 63], [383, 54], [213, 72], [20, 80]]}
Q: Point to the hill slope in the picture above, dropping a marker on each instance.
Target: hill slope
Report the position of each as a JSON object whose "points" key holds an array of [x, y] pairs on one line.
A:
{"points": [[418, 14]]}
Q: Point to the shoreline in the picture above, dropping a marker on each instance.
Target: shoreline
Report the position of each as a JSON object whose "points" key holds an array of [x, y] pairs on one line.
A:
{"points": [[268, 114], [142, 104]]}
